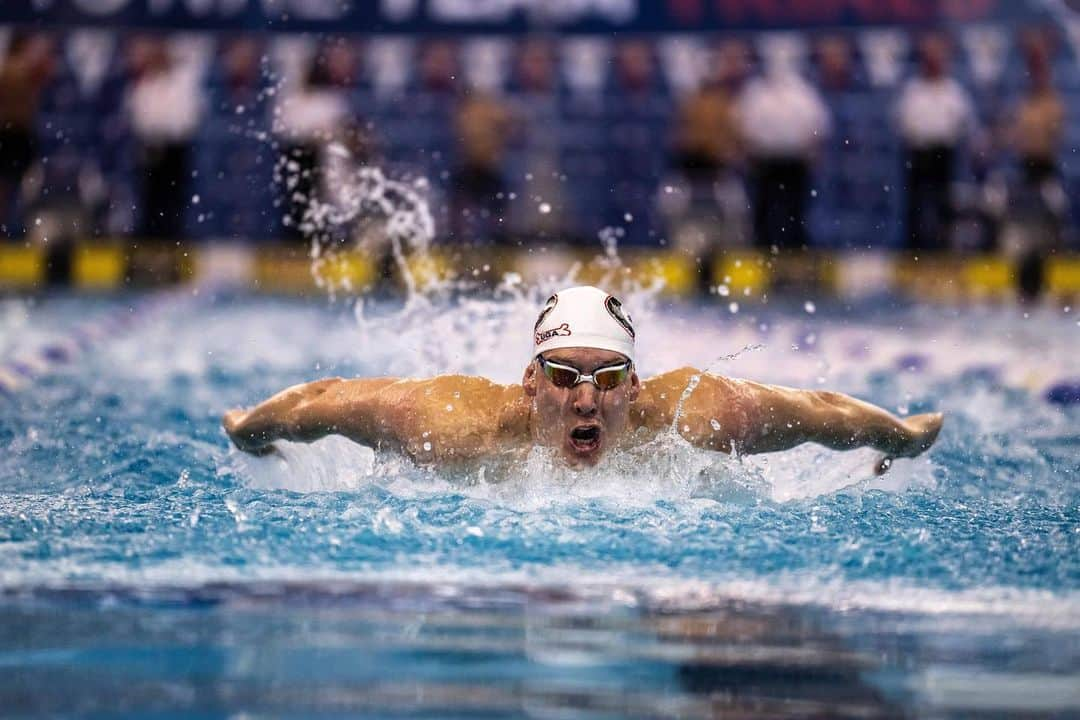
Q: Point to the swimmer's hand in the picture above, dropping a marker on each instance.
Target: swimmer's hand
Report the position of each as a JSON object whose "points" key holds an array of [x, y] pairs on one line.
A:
{"points": [[922, 432], [234, 423]]}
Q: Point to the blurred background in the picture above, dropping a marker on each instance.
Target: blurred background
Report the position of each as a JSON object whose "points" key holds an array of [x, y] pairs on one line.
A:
{"points": [[754, 143]]}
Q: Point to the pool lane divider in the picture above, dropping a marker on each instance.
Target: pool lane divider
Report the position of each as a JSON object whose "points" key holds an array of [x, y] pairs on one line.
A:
{"points": [[28, 365], [743, 273]]}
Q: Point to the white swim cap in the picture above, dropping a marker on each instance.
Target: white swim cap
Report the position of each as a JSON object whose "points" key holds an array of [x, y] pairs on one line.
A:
{"points": [[586, 317]]}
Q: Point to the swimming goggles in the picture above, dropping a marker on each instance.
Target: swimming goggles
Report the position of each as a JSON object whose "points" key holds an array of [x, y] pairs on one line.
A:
{"points": [[566, 376]]}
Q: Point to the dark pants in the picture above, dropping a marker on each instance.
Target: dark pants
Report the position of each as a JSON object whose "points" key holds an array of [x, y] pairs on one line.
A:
{"points": [[165, 172], [1038, 169], [18, 149], [929, 213], [698, 167], [478, 201], [780, 187]]}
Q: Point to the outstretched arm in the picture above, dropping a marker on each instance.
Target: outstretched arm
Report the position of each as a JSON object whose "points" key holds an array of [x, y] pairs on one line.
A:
{"points": [[788, 417], [724, 414], [307, 412], [451, 417]]}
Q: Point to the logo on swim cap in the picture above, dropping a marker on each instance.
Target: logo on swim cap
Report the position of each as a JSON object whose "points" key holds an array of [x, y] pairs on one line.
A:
{"points": [[616, 309], [584, 317], [563, 330], [548, 307]]}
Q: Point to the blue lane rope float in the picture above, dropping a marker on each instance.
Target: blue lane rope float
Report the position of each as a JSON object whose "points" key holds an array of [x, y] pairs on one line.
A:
{"points": [[29, 365], [1064, 392]]}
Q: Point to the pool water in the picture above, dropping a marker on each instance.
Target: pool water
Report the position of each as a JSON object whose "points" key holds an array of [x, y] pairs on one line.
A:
{"points": [[147, 568]]}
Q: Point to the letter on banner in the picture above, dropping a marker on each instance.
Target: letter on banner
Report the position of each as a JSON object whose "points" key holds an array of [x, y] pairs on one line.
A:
{"points": [[307, 9], [986, 48], [473, 10], [199, 8], [885, 55], [100, 7], [398, 10]]}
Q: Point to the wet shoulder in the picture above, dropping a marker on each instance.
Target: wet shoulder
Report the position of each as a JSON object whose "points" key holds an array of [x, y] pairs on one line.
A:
{"points": [[459, 415], [660, 395]]}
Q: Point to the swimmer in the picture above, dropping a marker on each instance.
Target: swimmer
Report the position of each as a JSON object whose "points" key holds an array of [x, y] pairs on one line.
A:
{"points": [[581, 396]]}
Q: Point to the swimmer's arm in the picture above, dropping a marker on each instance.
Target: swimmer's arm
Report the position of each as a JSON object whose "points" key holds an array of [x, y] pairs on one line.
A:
{"points": [[727, 414], [786, 417], [307, 412]]}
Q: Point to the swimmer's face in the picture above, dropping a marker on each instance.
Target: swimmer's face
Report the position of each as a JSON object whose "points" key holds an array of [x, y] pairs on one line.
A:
{"points": [[583, 421]]}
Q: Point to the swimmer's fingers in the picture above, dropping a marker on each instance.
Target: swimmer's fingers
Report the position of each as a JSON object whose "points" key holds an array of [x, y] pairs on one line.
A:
{"points": [[231, 420], [924, 430]]}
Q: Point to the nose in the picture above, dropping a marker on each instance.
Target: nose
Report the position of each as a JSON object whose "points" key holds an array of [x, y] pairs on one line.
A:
{"points": [[585, 399]]}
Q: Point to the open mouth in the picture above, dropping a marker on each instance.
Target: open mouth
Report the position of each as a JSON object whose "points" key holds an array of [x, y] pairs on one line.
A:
{"points": [[585, 437]]}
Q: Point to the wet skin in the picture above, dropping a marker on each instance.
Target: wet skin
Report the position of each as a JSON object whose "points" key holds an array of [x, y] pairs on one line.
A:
{"points": [[457, 418], [583, 421]]}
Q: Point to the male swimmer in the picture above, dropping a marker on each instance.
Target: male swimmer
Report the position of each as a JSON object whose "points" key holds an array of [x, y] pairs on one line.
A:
{"points": [[581, 396]]}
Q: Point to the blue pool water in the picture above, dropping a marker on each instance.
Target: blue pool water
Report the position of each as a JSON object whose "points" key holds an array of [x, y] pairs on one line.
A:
{"points": [[147, 568]]}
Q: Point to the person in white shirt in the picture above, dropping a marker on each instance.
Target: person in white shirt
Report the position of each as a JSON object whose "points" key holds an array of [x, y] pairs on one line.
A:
{"points": [[934, 116], [164, 107], [312, 112], [782, 120]]}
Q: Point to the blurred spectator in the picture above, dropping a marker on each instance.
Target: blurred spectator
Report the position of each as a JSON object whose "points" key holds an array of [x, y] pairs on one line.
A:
{"points": [[635, 68], [707, 206], [164, 105], [784, 121], [242, 69], [835, 68], [314, 111], [1039, 121], [1039, 207], [27, 67], [708, 137], [539, 209], [479, 193], [439, 68], [638, 112], [935, 115]]}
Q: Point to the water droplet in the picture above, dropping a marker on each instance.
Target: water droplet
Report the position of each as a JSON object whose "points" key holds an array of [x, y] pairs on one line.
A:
{"points": [[628, 217], [715, 424], [427, 447], [195, 199], [449, 408], [733, 307], [668, 189], [722, 290], [544, 208], [809, 307]]}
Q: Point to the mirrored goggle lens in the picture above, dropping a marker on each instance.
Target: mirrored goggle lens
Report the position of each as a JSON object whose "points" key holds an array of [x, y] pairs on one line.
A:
{"points": [[611, 378], [561, 377]]}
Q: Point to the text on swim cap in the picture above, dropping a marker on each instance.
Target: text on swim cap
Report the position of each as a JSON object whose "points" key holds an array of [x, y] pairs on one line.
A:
{"points": [[562, 330]]}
